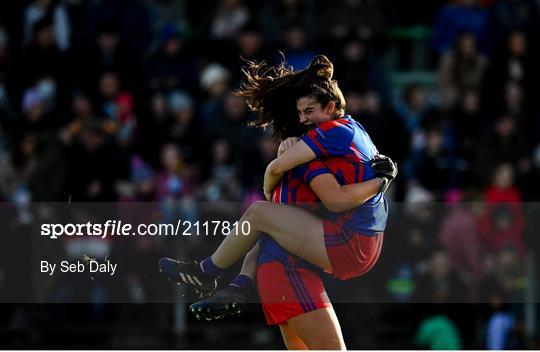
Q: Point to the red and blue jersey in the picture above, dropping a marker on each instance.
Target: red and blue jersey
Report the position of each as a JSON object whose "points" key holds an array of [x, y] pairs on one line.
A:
{"points": [[345, 148], [293, 190]]}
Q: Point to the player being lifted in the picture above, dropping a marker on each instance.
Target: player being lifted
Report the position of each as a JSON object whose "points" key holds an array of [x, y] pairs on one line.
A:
{"points": [[346, 243]]}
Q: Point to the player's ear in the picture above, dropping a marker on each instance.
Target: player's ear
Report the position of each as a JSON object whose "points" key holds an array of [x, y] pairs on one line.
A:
{"points": [[330, 108]]}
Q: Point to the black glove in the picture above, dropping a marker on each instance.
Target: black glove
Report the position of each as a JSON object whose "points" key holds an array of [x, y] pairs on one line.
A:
{"points": [[385, 169]]}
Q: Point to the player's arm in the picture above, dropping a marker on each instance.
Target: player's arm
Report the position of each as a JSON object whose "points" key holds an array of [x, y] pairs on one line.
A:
{"points": [[296, 155], [334, 141], [337, 198]]}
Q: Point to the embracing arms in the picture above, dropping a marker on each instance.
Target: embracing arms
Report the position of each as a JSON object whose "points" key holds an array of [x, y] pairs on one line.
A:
{"points": [[293, 153], [337, 198], [334, 196]]}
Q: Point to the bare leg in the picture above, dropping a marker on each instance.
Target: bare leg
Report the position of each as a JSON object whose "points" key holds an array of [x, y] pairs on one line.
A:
{"points": [[319, 329], [298, 231], [249, 266], [291, 339]]}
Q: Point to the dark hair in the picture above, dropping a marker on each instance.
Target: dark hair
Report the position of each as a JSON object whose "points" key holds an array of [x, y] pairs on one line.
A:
{"points": [[272, 93]]}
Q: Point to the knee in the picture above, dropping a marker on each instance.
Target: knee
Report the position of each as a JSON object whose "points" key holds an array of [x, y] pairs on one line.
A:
{"points": [[255, 211]]}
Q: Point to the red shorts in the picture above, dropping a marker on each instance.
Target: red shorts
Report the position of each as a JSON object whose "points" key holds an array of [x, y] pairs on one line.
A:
{"points": [[287, 292], [351, 254]]}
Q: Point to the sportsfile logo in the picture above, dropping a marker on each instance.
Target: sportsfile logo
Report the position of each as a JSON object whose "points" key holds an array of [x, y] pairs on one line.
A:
{"points": [[111, 227]]}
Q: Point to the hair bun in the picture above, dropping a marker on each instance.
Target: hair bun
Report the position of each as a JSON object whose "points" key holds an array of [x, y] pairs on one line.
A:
{"points": [[322, 66]]}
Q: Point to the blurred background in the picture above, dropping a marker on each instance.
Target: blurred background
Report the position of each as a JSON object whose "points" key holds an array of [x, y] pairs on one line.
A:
{"points": [[130, 101]]}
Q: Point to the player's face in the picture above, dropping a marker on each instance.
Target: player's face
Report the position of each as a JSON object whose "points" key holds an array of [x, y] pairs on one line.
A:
{"points": [[312, 113]]}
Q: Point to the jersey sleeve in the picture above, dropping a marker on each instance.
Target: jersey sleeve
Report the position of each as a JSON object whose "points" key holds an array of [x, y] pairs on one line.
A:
{"points": [[314, 169], [334, 141]]}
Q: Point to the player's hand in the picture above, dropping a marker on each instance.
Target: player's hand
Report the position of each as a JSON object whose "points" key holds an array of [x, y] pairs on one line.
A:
{"points": [[267, 194], [385, 169], [384, 166], [286, 144]]}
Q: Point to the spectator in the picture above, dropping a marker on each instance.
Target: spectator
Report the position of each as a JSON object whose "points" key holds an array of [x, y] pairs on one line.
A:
{"points": [[107, 53], [44, 90], [117, 107], [153, 130], [183, 129], [132, 19], [143, 182], [432, 166], [214, 81], [467, 121], [229, 17], [125, 120], [94, 165], [498, 330], [513, 67], [37, 106], [82, 107], [357, 67], [414, 109], [249, 45], [438, 333], [504, 145], [505, 286], [230, 124], [440, 283], [221, 174], [517, 58], [175, 180], [503, 222], [41, 58], [506, 282], [57, 12], [275, 16], [47, 180], [417, 219], [460, 69], [459, 236], [513, 99], [502, 188], [82, 112], [172, 66]]}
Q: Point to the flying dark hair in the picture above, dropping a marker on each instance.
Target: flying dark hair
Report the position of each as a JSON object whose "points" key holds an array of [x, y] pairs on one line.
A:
{"points": [[272, 92]]}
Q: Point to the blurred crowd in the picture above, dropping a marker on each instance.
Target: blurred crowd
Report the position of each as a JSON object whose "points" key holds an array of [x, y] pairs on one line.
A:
{"points": [[131, 101]]}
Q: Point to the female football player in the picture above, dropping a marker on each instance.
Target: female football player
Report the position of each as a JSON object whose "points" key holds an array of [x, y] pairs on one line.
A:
{"points": [[346, 243]]}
